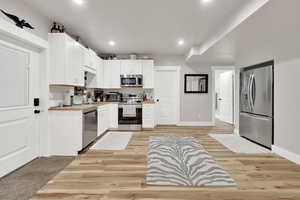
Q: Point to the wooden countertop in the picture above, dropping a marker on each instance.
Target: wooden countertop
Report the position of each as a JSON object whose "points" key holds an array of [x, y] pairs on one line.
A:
{"points": [[84, 107], [81, 107], [149, 102]]}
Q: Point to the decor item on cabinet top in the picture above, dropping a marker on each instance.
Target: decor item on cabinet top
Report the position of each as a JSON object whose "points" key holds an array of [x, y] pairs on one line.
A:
{"points": [[196, 83], [19, 23], [108, 56], [133, 56], [56, 28]]}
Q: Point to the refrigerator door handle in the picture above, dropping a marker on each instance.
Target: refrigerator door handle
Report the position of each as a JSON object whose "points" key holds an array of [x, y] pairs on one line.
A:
{"points": [[248, 93], [254, 90], [251, 92]]}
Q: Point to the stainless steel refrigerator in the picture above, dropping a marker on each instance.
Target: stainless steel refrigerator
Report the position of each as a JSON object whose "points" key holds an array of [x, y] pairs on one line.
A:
{"points": [[256, 103]]}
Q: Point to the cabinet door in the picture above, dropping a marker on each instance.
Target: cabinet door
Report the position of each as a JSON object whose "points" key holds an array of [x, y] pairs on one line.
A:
{"points": [[86, 61], [77, 64], [102, 121], [106, 74], [148, 116], [148, 73], [115, 66], [125, 67], [100, 74], [138, 67], [106, 119], [113, 115], [70, 72], [93, 59], [131, 67]]}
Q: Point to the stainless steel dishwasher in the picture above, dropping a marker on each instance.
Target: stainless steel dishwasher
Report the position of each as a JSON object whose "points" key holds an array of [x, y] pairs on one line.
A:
{"points": [[90, 125]]}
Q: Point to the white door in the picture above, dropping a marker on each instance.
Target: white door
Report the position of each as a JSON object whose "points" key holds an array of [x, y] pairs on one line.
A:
{"points": [[226, 97], [167, 94], [18, 82]]}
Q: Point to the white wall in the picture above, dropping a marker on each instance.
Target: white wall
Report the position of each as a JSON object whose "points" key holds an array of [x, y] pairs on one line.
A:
{"points": [[194, 107], [287, 105], [272, 33], [17, 7]]}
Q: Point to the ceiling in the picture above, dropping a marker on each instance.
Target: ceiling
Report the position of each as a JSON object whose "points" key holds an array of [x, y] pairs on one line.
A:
{"points": [[142, 26], [269, 34]]}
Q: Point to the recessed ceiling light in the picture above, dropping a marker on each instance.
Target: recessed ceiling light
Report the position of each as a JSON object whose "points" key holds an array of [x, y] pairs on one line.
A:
{"points": [[180, 42], [112, 43], [79, 2], [206, 1]]}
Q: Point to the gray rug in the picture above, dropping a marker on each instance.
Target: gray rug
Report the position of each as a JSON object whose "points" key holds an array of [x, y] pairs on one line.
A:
{"points": [[182, 161], [26, 181]]}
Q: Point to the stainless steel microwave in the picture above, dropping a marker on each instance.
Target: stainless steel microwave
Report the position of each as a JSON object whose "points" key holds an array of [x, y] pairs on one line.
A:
{"points": [[131, 80]]}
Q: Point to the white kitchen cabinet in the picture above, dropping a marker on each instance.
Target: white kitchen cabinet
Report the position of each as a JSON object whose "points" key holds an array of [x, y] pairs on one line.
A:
{"points": [[113, 116], [148, 115], [65, 60], [103, 119], [93, 59], [148, 74], [100, 74], [107, 117], [89, 60], [65, 129], [86, 57], [131, 67], [111, 74]]}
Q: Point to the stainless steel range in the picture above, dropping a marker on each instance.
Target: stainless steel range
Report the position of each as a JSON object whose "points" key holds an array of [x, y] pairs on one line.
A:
{"points": [[130, 112]]}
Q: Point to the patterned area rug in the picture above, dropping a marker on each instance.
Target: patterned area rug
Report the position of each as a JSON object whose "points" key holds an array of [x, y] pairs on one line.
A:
{"points": [[182, 161]]}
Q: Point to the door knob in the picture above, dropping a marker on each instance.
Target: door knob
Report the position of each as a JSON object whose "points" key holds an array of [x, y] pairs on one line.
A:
{"points": [[37, 111]]}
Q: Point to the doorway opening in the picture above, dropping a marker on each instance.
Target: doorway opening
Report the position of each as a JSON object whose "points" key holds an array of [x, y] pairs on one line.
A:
{"points": [[224, 95]]}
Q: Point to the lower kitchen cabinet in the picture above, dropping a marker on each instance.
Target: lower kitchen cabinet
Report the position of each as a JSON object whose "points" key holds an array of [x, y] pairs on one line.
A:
{"points": [[107, 117], [148, 115], [65, 128], [113, 116], [103, 119]]}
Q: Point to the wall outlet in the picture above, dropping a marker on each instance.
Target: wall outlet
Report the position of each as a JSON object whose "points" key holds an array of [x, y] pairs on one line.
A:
{"points": [[199, 116]]}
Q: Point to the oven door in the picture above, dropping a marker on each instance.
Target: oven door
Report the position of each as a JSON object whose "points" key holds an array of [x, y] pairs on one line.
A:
{"points": [[130, 120], [128, 81]]}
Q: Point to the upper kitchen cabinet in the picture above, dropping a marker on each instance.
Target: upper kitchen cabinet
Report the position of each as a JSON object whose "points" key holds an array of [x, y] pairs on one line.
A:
{"points": [[111, 74], [100, 73], [93, 59], [90, 62], [131, 67], [65, 60], [148, 73]]}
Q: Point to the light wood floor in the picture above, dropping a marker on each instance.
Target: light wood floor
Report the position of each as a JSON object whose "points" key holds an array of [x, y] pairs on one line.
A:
{"points": [[114, 175]]}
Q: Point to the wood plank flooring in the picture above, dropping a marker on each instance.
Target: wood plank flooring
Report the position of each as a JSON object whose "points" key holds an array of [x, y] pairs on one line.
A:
{"points": [[121, 175]]}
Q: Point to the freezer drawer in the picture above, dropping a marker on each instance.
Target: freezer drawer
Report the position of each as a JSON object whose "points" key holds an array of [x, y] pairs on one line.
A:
{"points": [[256, 128]]}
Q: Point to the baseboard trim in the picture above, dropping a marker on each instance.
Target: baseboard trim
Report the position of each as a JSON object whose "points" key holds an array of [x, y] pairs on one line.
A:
{"points": [[286, 154], [196, 124]]}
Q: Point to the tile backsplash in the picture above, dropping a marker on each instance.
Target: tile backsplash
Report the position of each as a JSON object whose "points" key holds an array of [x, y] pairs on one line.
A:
{"points": [[56, 95]]}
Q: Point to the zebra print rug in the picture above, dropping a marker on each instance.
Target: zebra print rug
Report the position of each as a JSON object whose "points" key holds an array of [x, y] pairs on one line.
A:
{"points": [[182, 161]]}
